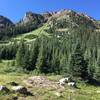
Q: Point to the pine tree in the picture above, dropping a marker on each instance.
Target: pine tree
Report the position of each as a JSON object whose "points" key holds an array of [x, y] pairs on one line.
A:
{"points": [[20, 54], [55, 63], [34, 54], [41, 61], [26, 61], [63, 65], [78, 66], [97, 68]]}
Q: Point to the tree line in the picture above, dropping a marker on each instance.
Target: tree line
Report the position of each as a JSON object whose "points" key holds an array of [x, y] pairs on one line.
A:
{"points": [[67, 57], [11, 31], [76, 55]]}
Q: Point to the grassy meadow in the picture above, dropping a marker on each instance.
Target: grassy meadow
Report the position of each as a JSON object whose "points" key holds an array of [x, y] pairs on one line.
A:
{"points": [[84, 91]]}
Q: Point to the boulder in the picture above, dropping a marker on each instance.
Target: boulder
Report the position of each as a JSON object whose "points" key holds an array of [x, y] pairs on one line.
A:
{"points": [[73, 84], [4, 88], [63, 81], [19, 89]]}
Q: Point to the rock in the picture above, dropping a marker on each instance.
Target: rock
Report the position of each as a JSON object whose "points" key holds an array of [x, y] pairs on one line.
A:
{"points": [[37, 81], [63, 81], [47, 15], [4, 88], [19, 89], [30, 17], [41, 82], [73, 84]]}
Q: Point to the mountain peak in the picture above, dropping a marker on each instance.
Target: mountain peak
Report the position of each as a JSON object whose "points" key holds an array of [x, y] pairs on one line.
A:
{"points": [[5, 22]]}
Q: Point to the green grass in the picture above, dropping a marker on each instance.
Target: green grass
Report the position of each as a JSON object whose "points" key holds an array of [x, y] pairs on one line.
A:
{"points": [[28, 37], [6, 66], [32, 35], [85, 91]]}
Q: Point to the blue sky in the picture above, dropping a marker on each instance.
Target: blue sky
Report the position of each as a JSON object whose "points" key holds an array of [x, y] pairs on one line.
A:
{"points": [[15, 9]]}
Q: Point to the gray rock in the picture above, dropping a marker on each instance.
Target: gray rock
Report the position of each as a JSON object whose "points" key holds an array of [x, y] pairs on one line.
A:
{"points": [[19, 89], [72, 84], [4, 88], [63, 81], [31, 17]]}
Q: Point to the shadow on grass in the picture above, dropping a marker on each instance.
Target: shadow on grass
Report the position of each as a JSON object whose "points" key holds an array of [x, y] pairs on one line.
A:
{"points": [[94, 82], [29, 94]]}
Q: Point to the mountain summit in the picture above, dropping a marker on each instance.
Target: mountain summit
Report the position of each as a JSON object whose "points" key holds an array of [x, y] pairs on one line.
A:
{"points": [[4, 22], [63, 21], [31, 17]]}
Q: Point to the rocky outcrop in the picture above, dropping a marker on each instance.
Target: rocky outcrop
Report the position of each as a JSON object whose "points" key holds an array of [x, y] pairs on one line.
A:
{"points": [[47, 15], [41, 82], [72, 19], [30, 17]]}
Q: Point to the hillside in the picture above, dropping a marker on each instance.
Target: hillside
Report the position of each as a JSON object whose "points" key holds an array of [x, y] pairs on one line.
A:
{"points": [[4, 22], [66, 27], [42, 49], [64, 21]]}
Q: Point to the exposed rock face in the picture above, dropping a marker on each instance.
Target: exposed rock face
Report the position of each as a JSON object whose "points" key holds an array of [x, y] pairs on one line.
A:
{"points": [[63, 22], [70, 18], [47, 15], [4, 22], [68, 22], [32, 17]]}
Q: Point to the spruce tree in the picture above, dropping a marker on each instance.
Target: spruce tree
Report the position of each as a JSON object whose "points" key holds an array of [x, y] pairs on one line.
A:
{"points": [[41, 61], [63, 65], [26, 61], [20, 55], [97, 69], [78, 66], [34, 54], [55, 63]]}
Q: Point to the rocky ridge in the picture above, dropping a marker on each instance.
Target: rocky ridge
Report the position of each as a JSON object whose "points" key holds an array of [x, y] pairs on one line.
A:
{"points": [[4, 22]]}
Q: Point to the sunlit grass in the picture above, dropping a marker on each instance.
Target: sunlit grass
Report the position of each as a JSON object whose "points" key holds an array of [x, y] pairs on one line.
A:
{"points": [[85, 91]]}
